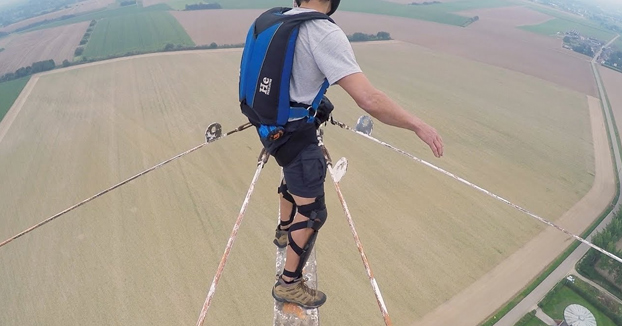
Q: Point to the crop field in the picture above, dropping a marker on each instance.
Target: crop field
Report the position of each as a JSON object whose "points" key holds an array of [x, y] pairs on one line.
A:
{"points": [[55, 43], [78, 8], [489, 40], [100, 14], [147, 31], [9, 91], [146, 253], [552, 27]]}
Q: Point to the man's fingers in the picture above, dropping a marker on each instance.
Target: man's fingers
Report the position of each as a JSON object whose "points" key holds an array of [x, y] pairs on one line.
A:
{"points": [[439, 145]]}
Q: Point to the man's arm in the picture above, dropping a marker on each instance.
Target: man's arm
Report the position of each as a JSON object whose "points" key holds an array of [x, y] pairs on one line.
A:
{"points": [[383, 108]]}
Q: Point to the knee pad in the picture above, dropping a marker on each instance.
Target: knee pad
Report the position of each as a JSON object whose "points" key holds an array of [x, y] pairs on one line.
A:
{"points": [[316, 213]]}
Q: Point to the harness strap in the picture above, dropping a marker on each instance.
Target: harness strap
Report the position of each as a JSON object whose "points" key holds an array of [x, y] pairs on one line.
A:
{"points": [[287, 196]]}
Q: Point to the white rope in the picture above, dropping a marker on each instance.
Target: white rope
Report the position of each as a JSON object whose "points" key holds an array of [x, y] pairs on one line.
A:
{"points": [[263, 158], [357, 240], [240, 128]]}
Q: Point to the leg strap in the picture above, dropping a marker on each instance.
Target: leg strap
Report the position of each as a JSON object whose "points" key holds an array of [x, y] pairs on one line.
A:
{"points": [[282, 189], [287, 196]]}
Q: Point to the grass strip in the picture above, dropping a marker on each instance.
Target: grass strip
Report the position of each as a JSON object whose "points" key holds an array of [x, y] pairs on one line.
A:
{"points": [[9, 91]]}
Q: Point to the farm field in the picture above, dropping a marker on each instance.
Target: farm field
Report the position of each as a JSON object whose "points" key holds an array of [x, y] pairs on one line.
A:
{"points": [[149, 31], [207, 26], [55, 43], [513, 274], [9, 91], [78, 8], [441, 13], [489, 41], [508, 16], [145, 254], [612, 81], [99, 14], [552, 27]]}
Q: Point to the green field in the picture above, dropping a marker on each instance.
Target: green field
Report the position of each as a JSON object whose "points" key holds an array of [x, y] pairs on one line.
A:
{"points": [[565, 22], [440, 13], [100, 14], [563, 297], [530, 319], [618, 44], [553, 26], [9, 91], [148, 31]]}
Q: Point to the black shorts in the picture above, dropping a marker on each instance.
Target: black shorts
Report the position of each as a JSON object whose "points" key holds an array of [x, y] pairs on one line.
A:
{"points": [[305, 175]]}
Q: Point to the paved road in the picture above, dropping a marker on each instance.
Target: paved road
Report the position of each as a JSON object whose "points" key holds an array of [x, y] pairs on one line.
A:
{"points": [[530, 302]]}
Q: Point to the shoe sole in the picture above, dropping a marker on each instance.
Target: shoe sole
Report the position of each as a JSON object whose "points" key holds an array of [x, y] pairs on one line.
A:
{"points": [[296, 303], [276, 243]]}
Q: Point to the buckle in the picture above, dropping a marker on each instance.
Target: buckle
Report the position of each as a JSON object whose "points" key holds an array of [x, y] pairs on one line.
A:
{"points": [[309, 108]]}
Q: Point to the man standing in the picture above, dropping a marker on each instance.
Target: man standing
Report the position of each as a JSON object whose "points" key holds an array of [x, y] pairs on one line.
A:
{"points": [[290, 58]]}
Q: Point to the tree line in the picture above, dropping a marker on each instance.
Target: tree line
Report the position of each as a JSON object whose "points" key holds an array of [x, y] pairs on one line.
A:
{"points": [[607, 240], [36, 67], [202, 6], [127, 3], [615, 60], [362, 37]]}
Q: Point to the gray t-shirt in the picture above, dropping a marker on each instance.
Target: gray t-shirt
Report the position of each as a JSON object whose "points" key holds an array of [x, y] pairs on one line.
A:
{"points": [[322, 51]]}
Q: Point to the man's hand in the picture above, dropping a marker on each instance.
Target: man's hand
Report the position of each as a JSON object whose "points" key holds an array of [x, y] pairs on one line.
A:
{"points": [[432, 138]]}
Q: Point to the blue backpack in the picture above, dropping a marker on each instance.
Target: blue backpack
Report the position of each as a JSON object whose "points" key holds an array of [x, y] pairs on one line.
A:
{"points": [[266, 70]]}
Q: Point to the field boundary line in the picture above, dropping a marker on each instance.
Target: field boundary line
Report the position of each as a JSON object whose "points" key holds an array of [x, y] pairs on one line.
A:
{"points": [[139, 56], [9, 118]]}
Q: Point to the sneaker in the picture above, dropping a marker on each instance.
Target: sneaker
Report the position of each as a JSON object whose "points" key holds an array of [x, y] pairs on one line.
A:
{"points": [[280, 238], [298, 293]]}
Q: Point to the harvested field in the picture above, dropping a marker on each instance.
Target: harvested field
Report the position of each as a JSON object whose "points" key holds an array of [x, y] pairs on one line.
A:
{"points": [[486, 41], [5, 40], [513, 49], [612, 81], [78, 8], [524, 265], [57, 43], [146, 253], [207, 26]]}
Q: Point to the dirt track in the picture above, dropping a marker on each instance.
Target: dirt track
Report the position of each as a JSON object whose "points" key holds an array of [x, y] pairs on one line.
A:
{"points": [[487, 294]]}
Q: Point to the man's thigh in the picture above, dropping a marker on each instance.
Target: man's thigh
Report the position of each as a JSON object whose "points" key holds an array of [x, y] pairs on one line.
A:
{"points": [[305, 175]]}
